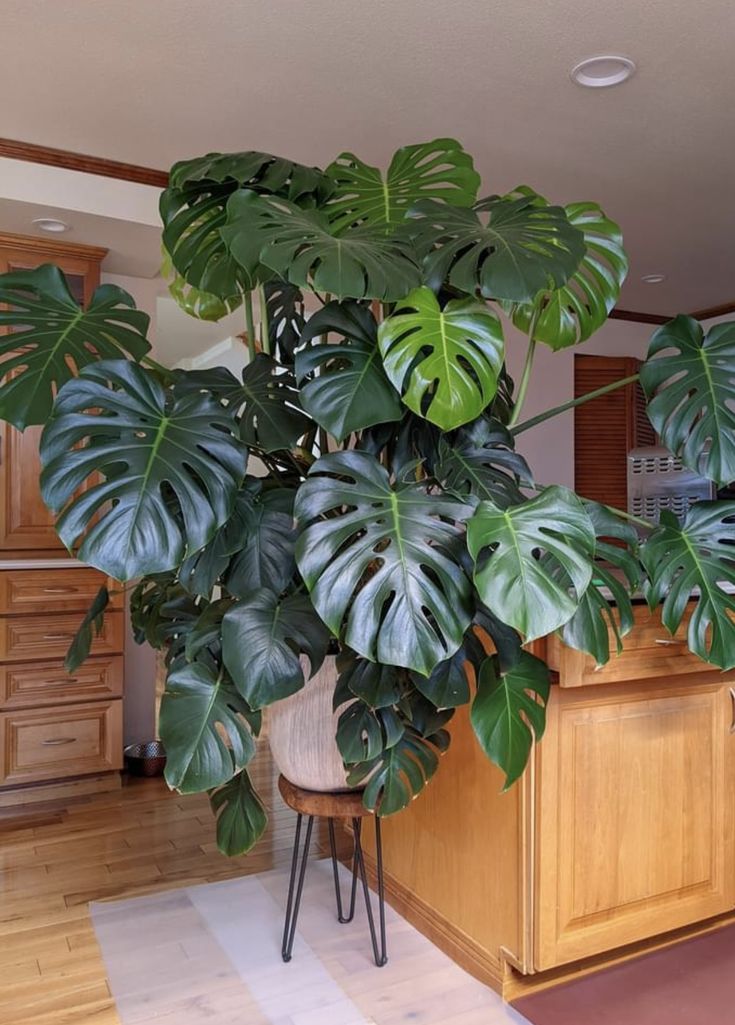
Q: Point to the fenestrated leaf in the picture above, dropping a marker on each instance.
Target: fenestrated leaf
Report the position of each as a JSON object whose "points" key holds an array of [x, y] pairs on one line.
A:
{"points": [[696, 557], [513, 252], [53, 338], [430, 170], [198, 705], [79, 648], [399, 773], [509, 576], [343, 385], [266, 551], [302, 247], [444, 362], [376, 685], [272, 417], [481, 461], [195, 302], [206, 631], [262, 636], [364, 733], [382, 562], [193, 211], [509, 712], [570, 314], [286, 320], [201, 571], [448, 685], [171, 469], [241, 817], [587, 630], [689, 379]]}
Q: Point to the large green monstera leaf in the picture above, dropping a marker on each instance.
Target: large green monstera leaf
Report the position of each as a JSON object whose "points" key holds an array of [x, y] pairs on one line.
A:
{"points": [[695, 559], [382, 562], [509, 711], [261, 638], [513, 580], [445, 362], [343, 385], [193, 210], [481, 461], [199, 702], [570, 314], [400, 772], [431, 170], [617, 571], [241, 817], [271, 416], [53, 338], [302, 247], [265, 552], [689, 379], [508, 248], [170, 469]]}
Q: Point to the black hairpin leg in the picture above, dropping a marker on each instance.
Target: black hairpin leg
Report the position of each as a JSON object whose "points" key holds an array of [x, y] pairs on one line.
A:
{"points": [[341, 917], [293, 905], [379, 952]]}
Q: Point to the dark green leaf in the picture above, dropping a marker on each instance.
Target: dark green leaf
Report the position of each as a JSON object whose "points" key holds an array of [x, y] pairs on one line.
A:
{"points": [[267, 544], [363, 733], [93, 619], [53, 338], [199, 702], [430, 170], [241, 817], [303, 248], [587, 630], [201, 571], [261, 638], [448, 685], [399, 773], [689, 379], [206, 631], [376, 685], [444, 362], [505, 638], [382, 562], [481, 461], [259, 171], [272, 417], [570, 314], [509, 712], [696, 558], [513, 252], [171, 469], [343, 386], [510, 578], [286, 320]]}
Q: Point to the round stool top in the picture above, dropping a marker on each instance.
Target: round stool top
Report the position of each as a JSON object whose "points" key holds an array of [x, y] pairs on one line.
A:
{"points": [[343, 804]]}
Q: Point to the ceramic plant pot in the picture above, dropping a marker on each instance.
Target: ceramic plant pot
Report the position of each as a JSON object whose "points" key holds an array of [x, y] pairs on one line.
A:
{"points": [[301, 732]]}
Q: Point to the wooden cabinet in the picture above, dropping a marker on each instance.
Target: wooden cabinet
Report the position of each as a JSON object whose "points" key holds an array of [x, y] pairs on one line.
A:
{"points": [[55, 728], [621, 830], [26, 525], [635, 815], [607, 428]]}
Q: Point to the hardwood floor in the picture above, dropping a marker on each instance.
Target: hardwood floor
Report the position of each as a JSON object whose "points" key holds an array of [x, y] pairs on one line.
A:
{"points": [[55, 859]]}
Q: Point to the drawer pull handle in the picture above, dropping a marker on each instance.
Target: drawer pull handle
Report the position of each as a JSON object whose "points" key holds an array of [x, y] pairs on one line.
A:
{"points": [[59, 590], [57, 741], [671, 642], [63, 680], [732, 701], [56, 637]]}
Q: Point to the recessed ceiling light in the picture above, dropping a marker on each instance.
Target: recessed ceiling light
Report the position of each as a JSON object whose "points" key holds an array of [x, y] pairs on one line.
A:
{"points": [[52, 224], [605, 70], [653, 279]]}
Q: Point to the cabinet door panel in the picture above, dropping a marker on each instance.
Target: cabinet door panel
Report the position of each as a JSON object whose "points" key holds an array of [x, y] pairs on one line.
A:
{"points": [[635, 830], [30, 638], [25, 522]]}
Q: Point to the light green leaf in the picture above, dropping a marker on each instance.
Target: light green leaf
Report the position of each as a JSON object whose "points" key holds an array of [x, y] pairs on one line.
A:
{"points": [[445, 362]]}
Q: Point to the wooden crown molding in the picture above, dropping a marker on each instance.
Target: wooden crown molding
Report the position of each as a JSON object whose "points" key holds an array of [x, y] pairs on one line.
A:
{"points": [[52, 247], [638, 318], [714, 311], [34, 154]]}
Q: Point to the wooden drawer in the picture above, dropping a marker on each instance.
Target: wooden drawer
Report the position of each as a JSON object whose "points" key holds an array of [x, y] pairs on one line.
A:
{"points": [[33, 638], [649, 651], [49, 590], [35, 684], [53, 743]]}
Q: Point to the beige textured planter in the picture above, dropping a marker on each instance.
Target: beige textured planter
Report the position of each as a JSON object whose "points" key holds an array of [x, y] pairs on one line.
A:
{"points": [[301, 731]]}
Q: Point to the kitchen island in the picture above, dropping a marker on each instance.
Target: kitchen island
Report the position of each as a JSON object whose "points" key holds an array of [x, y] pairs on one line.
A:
{"points": [[619, 837]]}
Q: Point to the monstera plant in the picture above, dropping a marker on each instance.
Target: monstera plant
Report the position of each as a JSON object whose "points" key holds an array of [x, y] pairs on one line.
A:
{"points": [[359, 487]]}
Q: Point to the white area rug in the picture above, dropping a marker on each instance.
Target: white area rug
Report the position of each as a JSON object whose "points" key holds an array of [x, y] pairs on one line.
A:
{"points": [[211, 955]]}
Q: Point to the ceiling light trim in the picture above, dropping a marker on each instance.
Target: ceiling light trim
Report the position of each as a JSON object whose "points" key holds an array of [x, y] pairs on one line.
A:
{"points": [[603, 71]]}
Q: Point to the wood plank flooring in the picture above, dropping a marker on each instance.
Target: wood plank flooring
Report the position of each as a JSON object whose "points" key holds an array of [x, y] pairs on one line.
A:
{"points": [[55, 859]]}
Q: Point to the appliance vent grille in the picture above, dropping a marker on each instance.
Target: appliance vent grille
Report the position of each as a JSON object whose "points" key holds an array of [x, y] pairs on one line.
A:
{"points": [[658, 480]]}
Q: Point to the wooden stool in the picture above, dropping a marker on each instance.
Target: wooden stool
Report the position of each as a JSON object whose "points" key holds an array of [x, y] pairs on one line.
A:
{"points": [[345, 805]]}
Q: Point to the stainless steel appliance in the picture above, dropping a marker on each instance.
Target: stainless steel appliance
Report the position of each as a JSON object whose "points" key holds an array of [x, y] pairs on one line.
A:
{"points": [[658, 480]]}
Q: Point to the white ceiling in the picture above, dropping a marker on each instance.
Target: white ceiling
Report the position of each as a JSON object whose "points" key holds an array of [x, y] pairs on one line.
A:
{"points": [[153, 82]]}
